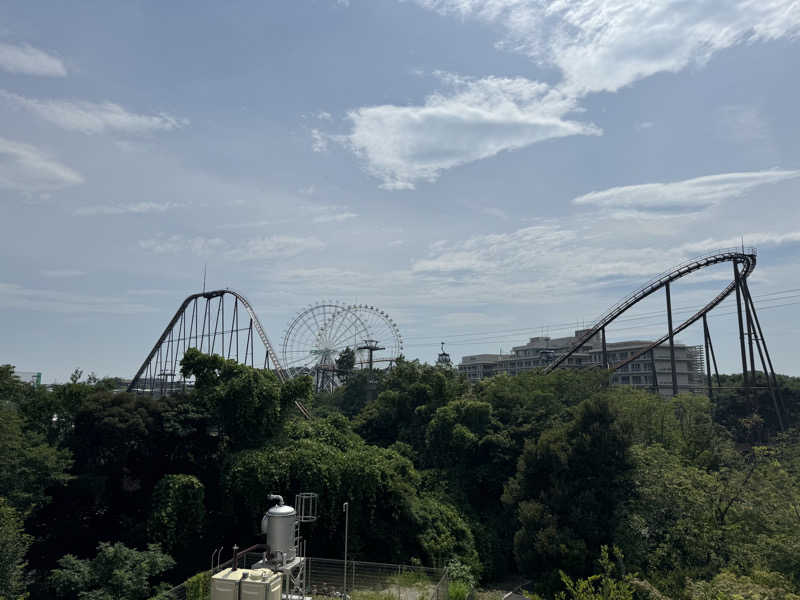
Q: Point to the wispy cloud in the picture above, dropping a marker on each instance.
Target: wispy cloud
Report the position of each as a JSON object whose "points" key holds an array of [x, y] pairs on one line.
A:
{"points": [[604, 45], [176, 244], [274, 246], [28, 169], [471, 120], [124, 209], [92, 117], [597, 45], [753, 238], [319, 141], [27, 60], [690, 194]]}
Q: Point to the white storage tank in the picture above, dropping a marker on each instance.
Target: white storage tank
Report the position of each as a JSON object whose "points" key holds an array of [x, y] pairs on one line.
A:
{"points": [[279, 526], [261, 584], [246, 584], [225, 584]]}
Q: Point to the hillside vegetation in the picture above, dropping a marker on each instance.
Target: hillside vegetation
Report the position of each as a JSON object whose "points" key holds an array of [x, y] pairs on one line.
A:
{"points": [[586, 490]]}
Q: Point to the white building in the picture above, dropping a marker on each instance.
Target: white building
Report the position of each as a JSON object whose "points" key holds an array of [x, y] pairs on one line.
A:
{"points": [[643, 372]]}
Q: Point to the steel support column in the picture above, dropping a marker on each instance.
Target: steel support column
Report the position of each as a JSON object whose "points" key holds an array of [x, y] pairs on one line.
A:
{"points": [[605, 350], [671, 343], [653, 371], [706, 337], [737, 279]]}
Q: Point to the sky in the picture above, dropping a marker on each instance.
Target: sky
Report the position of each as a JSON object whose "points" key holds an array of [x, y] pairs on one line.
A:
{"points": [[484, 172]]}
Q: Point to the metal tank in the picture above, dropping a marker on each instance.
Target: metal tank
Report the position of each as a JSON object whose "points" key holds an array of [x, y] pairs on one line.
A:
{"points": [[279, 525]]}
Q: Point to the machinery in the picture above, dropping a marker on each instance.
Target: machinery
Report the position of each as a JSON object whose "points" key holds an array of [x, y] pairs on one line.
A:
{"points": [[285, 548]]}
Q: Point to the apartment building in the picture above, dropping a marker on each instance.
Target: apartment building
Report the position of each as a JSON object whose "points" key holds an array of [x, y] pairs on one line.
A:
{"points": [[651, 370]]}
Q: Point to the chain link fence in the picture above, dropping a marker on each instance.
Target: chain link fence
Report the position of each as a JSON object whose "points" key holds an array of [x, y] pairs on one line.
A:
{"points": [[375, 581], [327, 580]]}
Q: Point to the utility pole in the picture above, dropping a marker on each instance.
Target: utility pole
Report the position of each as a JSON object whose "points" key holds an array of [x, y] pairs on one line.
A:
{"points": [[346, 509]]}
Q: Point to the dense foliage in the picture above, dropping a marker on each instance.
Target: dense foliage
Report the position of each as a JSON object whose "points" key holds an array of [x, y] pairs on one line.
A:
{"points": [[586, 490]]}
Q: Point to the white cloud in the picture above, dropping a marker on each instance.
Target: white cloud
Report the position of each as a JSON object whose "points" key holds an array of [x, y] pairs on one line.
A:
{"points": [[93, 118], [123, 209], [59, 273], [604, 45], [275, 246], [597, 45], [319, 141], [28, 169], [749, 239], [474, 119], [176, 244], [28, 60], [690, 194]]}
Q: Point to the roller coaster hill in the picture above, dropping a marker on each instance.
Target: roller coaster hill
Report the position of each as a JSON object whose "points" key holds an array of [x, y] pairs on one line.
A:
{"points": [[202, 322]]}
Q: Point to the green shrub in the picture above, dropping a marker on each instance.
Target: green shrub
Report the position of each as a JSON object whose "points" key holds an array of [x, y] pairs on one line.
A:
{"points": [[458, 590], [197, 586]]}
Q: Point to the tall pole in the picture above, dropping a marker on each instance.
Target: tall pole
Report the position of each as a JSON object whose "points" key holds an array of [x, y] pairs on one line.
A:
{"points": [[750, 335], [708, 357], [737, 279], [346, 509], [653, 370], [605, 350], [760, 332], [671, 343]]}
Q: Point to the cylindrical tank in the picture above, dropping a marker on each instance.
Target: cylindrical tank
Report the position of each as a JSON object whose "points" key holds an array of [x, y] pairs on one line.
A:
{"points": [[278, 524]]}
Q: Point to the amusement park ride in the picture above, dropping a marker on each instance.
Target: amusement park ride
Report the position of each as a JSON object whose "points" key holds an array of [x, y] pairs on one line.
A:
{"points": [[318, 335]]}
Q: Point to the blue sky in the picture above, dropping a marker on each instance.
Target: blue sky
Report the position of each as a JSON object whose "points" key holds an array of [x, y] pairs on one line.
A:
{"points": [[483, 171]]}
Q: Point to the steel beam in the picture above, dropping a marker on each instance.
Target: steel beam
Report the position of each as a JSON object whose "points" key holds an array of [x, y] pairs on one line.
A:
{"points": [[741, 325], [671, 343]]}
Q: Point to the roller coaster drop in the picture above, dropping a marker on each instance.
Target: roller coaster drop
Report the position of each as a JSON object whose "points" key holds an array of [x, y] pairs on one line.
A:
{"points": [[744, 262]]}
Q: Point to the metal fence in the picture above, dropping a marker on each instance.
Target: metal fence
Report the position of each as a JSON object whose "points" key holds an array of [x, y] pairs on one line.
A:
{"points": [[364, 580], [375, 581]]}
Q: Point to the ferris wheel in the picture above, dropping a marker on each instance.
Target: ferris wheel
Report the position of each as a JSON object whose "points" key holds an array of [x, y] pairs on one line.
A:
{"points": [[318, 335]]}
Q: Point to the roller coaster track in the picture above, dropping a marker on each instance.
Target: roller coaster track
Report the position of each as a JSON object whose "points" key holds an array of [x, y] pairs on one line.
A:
{"points": [[157, 373], [746, 257]]}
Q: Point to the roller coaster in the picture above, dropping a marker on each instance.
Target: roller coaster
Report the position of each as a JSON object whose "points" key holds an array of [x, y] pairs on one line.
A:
{"points": [[744, 263], [200, 322]]}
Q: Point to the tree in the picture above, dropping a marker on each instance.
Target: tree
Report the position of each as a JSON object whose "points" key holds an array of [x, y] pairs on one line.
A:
{"points": [[569, 489], [115, 573], [247, 402], [14, 543], [177, 515], [28, 465], [346, 362]]}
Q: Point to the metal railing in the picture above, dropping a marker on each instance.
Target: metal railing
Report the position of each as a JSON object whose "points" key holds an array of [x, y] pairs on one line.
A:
{"points": [[365, 580]]}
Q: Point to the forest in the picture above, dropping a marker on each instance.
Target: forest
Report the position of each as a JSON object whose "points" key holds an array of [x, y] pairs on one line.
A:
{"points": [[582, 489]]}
